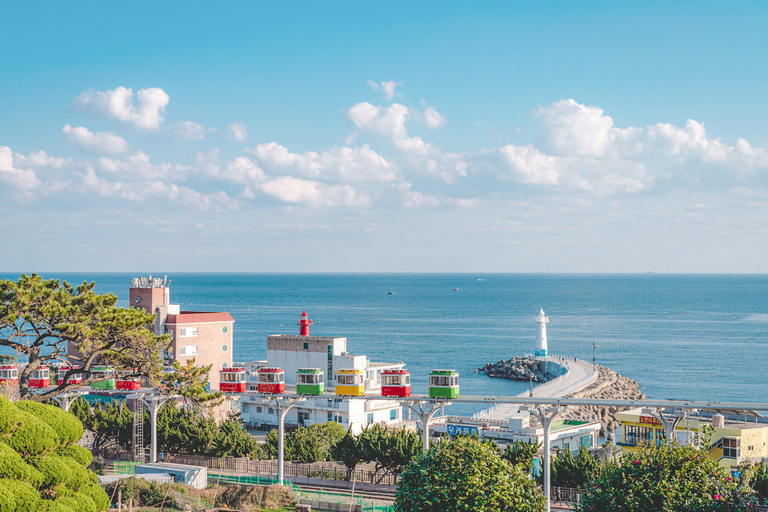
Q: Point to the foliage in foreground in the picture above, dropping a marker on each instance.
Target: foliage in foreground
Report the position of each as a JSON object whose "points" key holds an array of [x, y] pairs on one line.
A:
{"points": [[41, 469], [466, 475], [670, 478]]}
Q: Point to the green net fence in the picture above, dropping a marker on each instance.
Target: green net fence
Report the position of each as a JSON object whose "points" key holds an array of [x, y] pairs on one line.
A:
{"points": [[125, 467], [365, 504]]}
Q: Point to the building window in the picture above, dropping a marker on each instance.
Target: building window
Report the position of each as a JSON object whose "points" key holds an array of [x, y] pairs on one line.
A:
{"points": [[393, 414], [271, 411], [188, 332], [370, 418], [224, 329], [634, 435], [223, 365], [306, 346], [252, 388], [224, 348], [731, 448], [188, 350], [330, 415], [258, 410], [585, 441]]}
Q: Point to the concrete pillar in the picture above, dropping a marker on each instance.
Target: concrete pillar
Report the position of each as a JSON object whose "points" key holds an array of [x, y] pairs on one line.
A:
{"points": [[282, 405], [153, 408], [546, 417], [425, 411]]}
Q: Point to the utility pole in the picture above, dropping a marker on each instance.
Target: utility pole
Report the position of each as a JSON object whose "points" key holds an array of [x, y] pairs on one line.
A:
{"points": [[594, 347], [546, 416]]}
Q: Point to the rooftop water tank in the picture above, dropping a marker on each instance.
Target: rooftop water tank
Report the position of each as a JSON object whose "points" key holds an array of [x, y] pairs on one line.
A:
{"points": [[718, 421]]}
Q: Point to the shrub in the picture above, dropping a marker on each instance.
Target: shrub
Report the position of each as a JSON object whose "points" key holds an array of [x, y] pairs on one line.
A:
{"points": [[7, 500], [668, 478], [82, 455], [62, 471], [12, 466], [54, 506], [67, 427], [97, 494], [32, 436], [9, 417], [25, 496], [466, 475], [78, 502]]}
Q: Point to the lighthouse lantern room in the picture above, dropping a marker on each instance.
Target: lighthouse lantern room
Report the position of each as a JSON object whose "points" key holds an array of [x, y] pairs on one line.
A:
{"points": [[541, 340]]}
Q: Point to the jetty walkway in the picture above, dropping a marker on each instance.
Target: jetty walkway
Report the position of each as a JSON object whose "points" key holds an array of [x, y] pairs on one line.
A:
{"points": [[578, 375]]}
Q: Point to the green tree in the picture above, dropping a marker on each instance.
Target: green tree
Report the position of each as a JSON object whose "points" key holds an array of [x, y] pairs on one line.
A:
{"points": [[234, 441], [41, 467], [522, 453], [39, 318], [191, 383], [670, 478], [465, 475], [349, 452]]}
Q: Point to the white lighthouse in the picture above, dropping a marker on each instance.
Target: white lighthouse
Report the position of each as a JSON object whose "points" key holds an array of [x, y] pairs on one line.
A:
{"points": [[541, 341]]}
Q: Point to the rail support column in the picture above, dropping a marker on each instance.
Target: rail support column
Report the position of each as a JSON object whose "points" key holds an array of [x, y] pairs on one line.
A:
{"points": [[425, 410], [153, 403], [669, 420], [282, 405], [65, 400], [546, 416]]}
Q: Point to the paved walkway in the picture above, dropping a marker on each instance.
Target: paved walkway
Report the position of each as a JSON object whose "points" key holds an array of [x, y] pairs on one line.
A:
{"points": [[580, 374]]}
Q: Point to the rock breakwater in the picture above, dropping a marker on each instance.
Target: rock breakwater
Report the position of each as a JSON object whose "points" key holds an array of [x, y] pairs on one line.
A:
{"points": [[518, 368]]}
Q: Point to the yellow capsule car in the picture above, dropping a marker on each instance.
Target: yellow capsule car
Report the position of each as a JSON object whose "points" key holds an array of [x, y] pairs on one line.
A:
{"points": [[350, 383]]}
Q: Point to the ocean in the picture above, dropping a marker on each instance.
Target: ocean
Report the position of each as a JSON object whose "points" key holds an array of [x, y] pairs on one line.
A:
{"points": [[697, 337]]}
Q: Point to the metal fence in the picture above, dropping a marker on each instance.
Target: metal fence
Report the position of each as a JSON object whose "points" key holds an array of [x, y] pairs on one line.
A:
{"points": [[298, 473], [565, 495]]}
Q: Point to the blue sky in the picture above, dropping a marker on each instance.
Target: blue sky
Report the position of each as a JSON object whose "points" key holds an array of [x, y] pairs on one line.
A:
{"points": [[431, 136]]}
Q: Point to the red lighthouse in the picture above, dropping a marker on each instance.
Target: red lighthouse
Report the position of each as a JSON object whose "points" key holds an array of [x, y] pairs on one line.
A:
{"points": [[305, 322]]}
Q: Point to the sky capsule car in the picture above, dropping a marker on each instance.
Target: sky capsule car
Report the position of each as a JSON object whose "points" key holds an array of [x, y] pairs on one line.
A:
{"points": [[73, 379], [127, 383], [444, 384], [309, 381], [395, 383], [350, 383], [106, 376], [41, 378], [232, 380], [271, 380], [9, 375]]}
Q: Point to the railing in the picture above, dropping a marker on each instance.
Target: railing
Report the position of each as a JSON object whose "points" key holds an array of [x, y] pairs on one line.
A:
{"points": [[298, 473], [565, 495]]}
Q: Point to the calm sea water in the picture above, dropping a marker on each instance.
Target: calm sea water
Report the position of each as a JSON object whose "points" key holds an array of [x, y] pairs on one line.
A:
{"points": [[679, 336]]}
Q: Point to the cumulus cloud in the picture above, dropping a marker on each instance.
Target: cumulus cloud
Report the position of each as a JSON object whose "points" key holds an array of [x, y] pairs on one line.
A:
{"points": [[414, 199], [387, 121], [138, 167], [188, 130], [296, 190], [145, 112], [23, 179], [238, 132], [40, 159], [434, 119], [99, 142], [386, 88], [530, 165], [337, 164]]}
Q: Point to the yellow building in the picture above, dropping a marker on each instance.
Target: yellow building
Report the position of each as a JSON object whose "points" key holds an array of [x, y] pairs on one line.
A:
{"points": [[730, 442]]}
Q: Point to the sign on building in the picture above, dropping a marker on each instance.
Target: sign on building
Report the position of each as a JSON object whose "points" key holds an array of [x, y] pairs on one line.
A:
{"points": [[455, 430]]}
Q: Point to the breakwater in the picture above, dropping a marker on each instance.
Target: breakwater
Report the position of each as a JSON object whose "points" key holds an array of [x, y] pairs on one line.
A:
{"points": [[521, 369]]}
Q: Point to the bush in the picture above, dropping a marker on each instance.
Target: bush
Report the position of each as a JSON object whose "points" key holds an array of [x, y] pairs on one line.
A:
{"points": [[466, 475], [82, 455], [668, 478], [97, 494], [9, 417], [7, 500], [25, 496], [78, 502], [54, 506], [32, 436], [12, 466], [62, 471], [67, 427]]}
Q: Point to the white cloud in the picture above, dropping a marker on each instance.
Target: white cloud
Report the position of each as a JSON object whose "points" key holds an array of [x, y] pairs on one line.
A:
{"points": [[690, 143], [239, 132], [99, 142], [24, 179], [296, 190], [138, 167], [530, 165], [434, 119], [40, 159], [387, 121], [144, 113], [387, 88], [413, 199], [188, 130], [337, 164]]}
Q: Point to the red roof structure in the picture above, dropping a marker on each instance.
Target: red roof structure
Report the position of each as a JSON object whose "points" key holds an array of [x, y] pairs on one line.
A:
{"points": [[198, 317]]}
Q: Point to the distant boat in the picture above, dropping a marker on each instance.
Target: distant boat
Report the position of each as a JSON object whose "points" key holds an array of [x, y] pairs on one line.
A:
{"points": [[390, 293], [455, 289], [481, 279]]}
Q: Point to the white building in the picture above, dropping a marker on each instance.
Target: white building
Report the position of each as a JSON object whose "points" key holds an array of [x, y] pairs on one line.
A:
{"points": [[291, 352]]}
